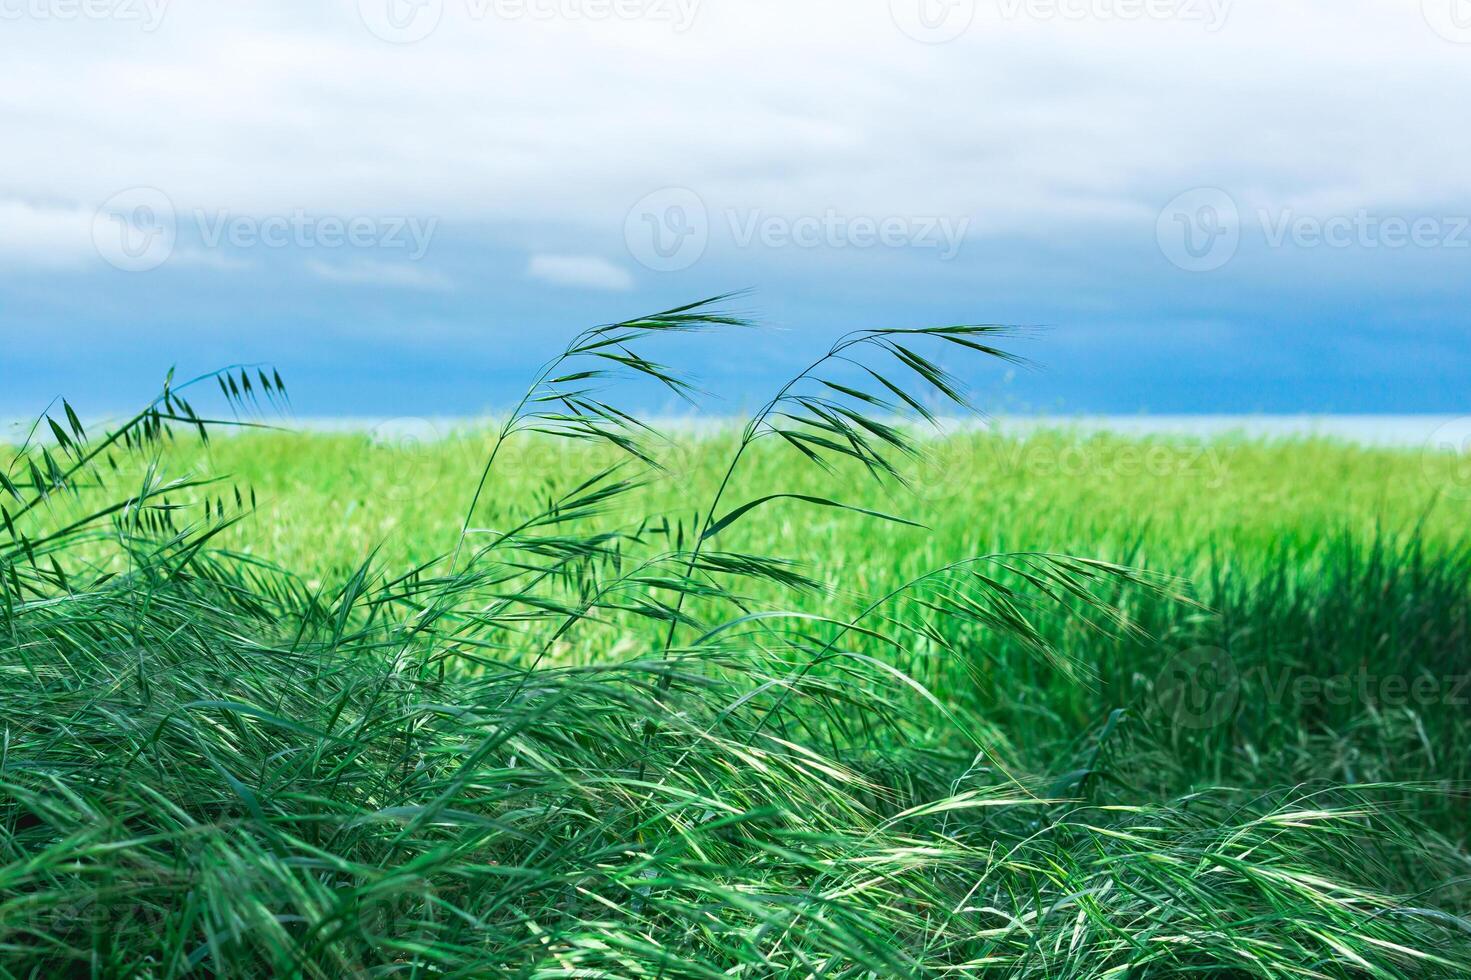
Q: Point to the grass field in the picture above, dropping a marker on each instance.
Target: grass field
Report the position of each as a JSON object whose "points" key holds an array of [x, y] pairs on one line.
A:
{"points": [[294, 714]]}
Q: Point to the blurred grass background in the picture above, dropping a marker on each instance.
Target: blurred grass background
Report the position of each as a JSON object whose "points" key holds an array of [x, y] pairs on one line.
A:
{"points": [[1178, 504], [1310, 558]]}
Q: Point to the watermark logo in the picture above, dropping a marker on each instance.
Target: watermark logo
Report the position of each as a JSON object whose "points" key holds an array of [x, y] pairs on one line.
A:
{"points": [[946, 467], [834, 230], [1200, 230], [401, 915], [302, 229], [1447, 459], [147, 14], [1211, 14], [933, 21], [668, 230], [679, 14], [1451, 19], [401, 21], [408, 21], [1363, 229], [402, 464], [139, 229], [939, 21], [135, 230], [1198, 688], [958, 464], [1203, 688], [95, 917]]}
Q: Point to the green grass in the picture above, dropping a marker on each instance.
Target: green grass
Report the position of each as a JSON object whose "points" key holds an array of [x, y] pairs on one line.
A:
{"points": [[626, 727], [327, 499]]}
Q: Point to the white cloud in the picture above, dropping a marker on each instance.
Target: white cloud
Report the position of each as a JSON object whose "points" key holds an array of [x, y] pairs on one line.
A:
{"points": [[1026, 123], [32, 234], [374, 273], [586, 271]]}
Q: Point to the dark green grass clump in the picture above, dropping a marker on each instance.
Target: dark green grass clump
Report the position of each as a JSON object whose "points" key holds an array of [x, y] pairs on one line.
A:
{"points": [[210, 782], [212, 767]]}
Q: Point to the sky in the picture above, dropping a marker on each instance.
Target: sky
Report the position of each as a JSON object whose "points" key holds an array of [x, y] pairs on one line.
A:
{"points": [[1195, 206]]}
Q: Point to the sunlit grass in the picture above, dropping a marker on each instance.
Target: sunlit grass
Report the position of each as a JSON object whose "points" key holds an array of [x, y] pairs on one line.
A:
{"points": [[325, 499], [311, 705]]}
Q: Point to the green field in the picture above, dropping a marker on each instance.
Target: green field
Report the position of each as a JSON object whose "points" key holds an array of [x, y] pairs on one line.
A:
{"points": [[1305, 556], [293, 714]]}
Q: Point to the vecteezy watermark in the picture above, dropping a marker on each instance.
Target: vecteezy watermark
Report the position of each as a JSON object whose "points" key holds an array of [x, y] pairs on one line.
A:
{"points": [[1203, 688], [1198, 688], [1362, 687], [80, 913], [408, 21], [1364, 229], [303, 229], [669, 230], [933, 21], [956, 465], [1210, 14], [402, 463], [1447, 459], [135, 230], [834, 229], [1129, 460], [138, 229], [1201, 230], [938, 21], [401, 21], [1451, 19], [147, 14]]}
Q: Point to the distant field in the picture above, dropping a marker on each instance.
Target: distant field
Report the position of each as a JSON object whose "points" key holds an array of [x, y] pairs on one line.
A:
{"points": [[325, 499], [1308, 558]]}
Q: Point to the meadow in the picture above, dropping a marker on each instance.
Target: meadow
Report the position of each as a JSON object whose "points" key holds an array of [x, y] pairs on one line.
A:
{"points": [[827, 695]]}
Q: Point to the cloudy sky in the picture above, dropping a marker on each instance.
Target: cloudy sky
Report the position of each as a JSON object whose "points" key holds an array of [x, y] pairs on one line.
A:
{"points": [[1208, 205]]}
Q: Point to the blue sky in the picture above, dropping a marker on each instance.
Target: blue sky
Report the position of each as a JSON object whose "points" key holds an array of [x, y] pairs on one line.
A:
{"points": [[405, 204]]}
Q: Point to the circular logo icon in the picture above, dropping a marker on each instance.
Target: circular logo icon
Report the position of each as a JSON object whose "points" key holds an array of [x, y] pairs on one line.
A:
{"points": [[1451, 19], [401, 21], [1199, 688], [1200, 230], [667, 231], [946, 466], [399, 916], [933, 21], [134, 230], [1447, 458], [403, 458]]}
